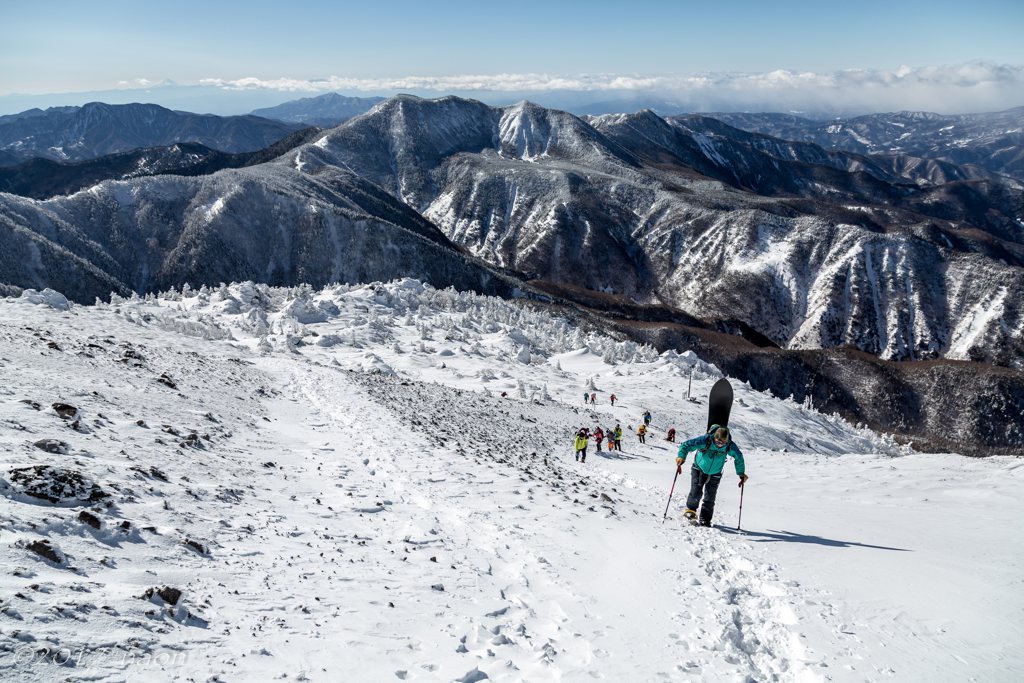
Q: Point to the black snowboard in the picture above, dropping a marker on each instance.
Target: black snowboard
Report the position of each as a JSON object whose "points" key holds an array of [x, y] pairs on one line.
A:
{"points": [[720, 404]]}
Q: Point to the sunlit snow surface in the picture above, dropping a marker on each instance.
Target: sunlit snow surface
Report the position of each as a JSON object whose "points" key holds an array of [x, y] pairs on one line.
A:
{"points": [[363, 505]]}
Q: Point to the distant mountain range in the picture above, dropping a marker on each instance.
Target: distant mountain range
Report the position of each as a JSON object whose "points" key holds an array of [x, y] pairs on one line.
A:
{"points": [[994, 140], [79, 133], [325, 111]]}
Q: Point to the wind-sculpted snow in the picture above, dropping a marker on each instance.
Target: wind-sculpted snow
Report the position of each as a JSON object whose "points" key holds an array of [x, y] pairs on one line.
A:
{"points": [[269, 224]]}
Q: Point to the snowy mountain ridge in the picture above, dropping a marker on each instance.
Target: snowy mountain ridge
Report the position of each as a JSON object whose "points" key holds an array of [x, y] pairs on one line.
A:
{"points": [[98, 129], [322, 483], [614, 207]]}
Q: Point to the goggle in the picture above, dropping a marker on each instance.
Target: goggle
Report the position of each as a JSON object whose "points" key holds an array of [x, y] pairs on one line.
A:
{"points": [[720, 443]]}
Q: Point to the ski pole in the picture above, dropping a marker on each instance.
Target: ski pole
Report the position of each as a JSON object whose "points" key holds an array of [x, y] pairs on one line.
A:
{"points": [[740, 518], [679, 468]]}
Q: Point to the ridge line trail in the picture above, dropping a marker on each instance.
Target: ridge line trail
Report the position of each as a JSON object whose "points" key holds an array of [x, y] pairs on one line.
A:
{"points": [[546, 586]]}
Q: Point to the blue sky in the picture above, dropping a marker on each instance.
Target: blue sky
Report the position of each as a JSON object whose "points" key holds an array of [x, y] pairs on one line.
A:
{"points": [[54, 47]]}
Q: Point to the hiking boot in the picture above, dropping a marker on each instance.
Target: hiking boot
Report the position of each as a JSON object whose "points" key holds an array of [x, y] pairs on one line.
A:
{"points": [[705, 522]]}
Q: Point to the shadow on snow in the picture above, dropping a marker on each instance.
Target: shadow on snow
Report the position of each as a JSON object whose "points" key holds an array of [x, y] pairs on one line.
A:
{"points": [[772, 536]]}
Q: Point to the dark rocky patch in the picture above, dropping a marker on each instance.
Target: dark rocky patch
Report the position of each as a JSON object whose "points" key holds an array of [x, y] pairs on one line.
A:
{"points": [[56, 485], [89, 518], [44, 549], [65, 411]]}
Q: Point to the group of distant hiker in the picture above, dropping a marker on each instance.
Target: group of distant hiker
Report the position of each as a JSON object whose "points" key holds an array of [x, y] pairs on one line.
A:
{"points": [[591, 399], [614, 437], [712, 449]]}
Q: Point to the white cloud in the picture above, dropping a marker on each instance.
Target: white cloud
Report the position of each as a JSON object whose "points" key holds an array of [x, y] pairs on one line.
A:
{"points": [[974, 86], [970, 75]]}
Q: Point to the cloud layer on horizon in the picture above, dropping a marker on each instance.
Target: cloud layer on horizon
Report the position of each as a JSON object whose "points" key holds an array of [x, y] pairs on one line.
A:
{"points": [[974, 85]]}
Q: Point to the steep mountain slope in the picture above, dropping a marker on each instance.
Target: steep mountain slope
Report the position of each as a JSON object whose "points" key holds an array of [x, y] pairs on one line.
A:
{"points": [[325, 110], [97, 129], [267, 224], [806, 253], [992, 140], [43, 178]]}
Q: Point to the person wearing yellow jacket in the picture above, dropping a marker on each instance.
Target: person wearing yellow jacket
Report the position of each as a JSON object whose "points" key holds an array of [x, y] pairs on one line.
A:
{"points": [[581, 446], [642, 433]]}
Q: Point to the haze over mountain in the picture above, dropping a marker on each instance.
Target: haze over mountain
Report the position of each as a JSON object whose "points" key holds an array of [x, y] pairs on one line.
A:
{"points": [[97, 129], [992, 140], [325, 111]]}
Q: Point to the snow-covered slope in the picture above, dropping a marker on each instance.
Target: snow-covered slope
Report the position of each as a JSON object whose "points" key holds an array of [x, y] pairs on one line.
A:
{"points": [[340, 492], [265, 223]]}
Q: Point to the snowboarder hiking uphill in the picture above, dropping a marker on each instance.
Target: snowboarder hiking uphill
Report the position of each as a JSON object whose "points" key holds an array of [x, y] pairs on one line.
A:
{"points": [[613, 400], [647, 417], [581, 445], [598, 437], [618, 437], [642, 432], [706, 474], [593, 399], [671, 436]]}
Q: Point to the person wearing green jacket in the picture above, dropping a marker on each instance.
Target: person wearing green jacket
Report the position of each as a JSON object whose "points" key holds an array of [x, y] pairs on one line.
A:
{"points": [[706, 474]]}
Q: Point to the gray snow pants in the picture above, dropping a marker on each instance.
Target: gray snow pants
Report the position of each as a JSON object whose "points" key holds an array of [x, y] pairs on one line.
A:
{"points": [[706, 485]]}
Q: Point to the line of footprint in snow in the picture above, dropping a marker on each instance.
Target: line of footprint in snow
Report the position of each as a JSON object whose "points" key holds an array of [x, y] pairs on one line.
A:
{"points": [[745, 622]]}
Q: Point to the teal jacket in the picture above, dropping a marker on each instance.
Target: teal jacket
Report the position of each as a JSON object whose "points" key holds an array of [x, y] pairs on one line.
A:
{"points": [[710, 459]]}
